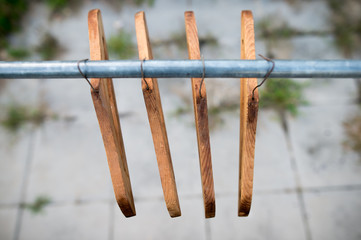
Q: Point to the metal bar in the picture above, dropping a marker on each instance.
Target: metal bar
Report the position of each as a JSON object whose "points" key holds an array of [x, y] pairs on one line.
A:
{"points": [[183, 69]]}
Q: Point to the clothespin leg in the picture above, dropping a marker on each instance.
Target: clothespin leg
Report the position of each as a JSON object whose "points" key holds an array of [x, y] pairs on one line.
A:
{"points": [[248, 118], [156, 121], [106, 110], [201, 119]]}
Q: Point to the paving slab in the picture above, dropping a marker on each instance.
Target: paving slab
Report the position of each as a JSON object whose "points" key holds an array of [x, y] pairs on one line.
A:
{"points": [[314, 47], [15, 150], [68, 221], [7, 223], [270, 214], [272, 169], [153, 222], [272, 158], [317, 136], [67, 98], [334, 215], [307, 47], [69, 163], [142, 163], [330, 92], [307, 16], [19, 91]]}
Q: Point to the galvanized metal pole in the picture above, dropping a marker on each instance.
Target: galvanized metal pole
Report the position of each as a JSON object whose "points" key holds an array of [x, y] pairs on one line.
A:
{"points": [[183, 69]]}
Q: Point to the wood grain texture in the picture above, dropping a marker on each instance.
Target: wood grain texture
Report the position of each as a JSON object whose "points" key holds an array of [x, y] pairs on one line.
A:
{"points": [[249, 111], [107, 113], [201, 119], [156, 121]]}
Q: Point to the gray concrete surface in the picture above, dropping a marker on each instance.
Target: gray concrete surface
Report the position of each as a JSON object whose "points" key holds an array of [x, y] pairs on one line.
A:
{"points": [[306, 186]]}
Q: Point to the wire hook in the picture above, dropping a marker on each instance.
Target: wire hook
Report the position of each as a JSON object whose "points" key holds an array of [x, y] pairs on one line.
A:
{"points": [[84, 75], [267, 74], [203, 74], [142, 72]]}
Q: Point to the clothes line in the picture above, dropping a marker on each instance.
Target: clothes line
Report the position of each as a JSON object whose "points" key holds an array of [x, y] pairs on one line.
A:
{"points": [[182, 69]]}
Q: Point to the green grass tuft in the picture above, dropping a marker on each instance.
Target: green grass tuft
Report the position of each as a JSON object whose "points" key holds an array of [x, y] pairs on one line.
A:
{"points": [[141, 2], [18, 53], [282, 95], [270, 32], [215, 112], [11, 13], [38, 205], [346, 27], [56, 5], [49, 47], [352, 129], [18, 115], [121, 45], [179, 39]]}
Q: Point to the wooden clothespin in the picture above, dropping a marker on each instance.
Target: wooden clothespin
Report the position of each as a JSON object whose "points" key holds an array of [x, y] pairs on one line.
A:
{"points": [[249, 111], [105, 105], [201, 119], [156, 121]]}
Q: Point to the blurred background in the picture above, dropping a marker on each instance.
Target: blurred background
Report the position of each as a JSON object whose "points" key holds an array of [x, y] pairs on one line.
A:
{"points": [[54, 178]]}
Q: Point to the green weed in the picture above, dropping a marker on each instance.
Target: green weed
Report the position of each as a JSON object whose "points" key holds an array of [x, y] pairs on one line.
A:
{"points": [[49, 47], [346, 27], [209, 40], [215, 112], [270, 31], [18, 53], [267, 30], [18, 115], [179, 39], [141, 2], [11, 13], [352, 129], [38, 205], [56, 5], [282, 95], [182, 110], [121, 45]]}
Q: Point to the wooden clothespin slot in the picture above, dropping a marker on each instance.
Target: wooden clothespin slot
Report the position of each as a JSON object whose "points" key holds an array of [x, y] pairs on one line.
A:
{"points": [[201, 119], [249, 111], [156, 121], [107, 113]]}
